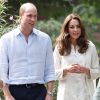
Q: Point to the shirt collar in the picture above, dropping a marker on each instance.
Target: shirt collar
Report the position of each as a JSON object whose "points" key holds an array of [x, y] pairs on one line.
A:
{"points": [[18, 32]]}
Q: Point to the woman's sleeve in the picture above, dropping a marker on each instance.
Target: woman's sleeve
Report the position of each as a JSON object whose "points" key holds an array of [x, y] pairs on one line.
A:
{"points": [[57, 64], [95, 68]]}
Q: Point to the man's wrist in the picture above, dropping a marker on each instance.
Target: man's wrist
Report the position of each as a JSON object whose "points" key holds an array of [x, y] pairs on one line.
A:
{"points": [[50, 93]]}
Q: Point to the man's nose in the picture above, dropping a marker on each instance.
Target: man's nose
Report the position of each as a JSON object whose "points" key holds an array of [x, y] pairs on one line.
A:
{"points": [[33, 18]]}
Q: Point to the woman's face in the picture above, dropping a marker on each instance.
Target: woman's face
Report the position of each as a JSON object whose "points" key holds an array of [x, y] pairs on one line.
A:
{"points": [[74, 29]]}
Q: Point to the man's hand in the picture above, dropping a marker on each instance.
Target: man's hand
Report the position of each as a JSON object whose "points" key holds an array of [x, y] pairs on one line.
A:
{"points": [[1, 84], [49, 97], [7, 94], [9, 98], [49, 90]]}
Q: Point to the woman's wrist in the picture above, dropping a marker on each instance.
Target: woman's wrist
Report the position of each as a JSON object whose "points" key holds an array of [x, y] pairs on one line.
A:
{"points": [[65, 71], [88, 72]]}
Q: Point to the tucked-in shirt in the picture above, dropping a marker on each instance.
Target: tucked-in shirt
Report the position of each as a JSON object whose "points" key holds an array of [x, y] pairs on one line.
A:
{"points": [[24, 62]]}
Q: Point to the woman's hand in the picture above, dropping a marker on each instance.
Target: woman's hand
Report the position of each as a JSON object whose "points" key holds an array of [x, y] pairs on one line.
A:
{"points": [[66, 70], [76, 68]]}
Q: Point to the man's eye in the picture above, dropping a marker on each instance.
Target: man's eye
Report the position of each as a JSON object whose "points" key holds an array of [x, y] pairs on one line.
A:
{"points": [[29, 15]]}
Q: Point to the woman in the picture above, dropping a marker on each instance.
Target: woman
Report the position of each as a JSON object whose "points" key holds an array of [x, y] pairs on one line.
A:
{"points": [[76, 61]]}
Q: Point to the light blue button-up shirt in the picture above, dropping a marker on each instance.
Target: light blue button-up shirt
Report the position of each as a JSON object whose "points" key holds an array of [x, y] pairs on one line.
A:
{"points": [[26, 62]]}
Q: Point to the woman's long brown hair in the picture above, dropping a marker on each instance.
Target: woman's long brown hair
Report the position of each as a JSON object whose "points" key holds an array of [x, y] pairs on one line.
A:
{"points": [[63, 40]]}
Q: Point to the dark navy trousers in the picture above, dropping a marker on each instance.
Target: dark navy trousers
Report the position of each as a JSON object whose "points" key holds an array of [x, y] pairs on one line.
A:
{"points": [[23, 92]]}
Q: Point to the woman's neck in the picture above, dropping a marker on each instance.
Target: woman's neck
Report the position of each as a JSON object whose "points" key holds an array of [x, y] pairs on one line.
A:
{"points": [[73, 42]]}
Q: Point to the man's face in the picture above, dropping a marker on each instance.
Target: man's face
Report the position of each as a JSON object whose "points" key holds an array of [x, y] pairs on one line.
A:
{"points": [[29, 18]]}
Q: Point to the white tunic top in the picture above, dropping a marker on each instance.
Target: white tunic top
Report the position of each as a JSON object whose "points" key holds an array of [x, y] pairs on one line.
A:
{"points": [[76, 86]]}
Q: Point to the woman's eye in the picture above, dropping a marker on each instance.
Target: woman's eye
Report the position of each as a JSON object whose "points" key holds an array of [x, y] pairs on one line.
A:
{"points": [[72, 27], [78, 26]]}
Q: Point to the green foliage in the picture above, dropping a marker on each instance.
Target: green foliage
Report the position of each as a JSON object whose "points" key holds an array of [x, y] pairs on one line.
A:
{"points": [[51, 27], [46, 8], [1, 95], [2, 12], [2, 15], [4, 28], [87, 12], [4, 25]]}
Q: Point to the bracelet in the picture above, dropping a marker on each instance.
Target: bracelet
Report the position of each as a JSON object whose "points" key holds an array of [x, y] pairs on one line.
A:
{"points": [[49, 93]]}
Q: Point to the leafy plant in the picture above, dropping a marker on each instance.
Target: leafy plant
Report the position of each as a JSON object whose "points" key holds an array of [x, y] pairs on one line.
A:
{"points": [[51, 27], [2, 12]]}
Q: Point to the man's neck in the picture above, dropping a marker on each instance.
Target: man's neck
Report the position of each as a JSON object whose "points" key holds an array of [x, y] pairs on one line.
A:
{"points": [[26, 32]]}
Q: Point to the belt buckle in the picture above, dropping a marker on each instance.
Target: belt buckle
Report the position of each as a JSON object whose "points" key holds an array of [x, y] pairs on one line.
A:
{"points": [[28, 86]]}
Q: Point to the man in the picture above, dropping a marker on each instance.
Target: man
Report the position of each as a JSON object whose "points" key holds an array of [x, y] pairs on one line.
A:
{"points": [[26, 60]]}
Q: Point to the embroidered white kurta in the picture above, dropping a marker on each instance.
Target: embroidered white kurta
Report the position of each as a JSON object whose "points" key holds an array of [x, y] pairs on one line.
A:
{"points": [[76, 86]]}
